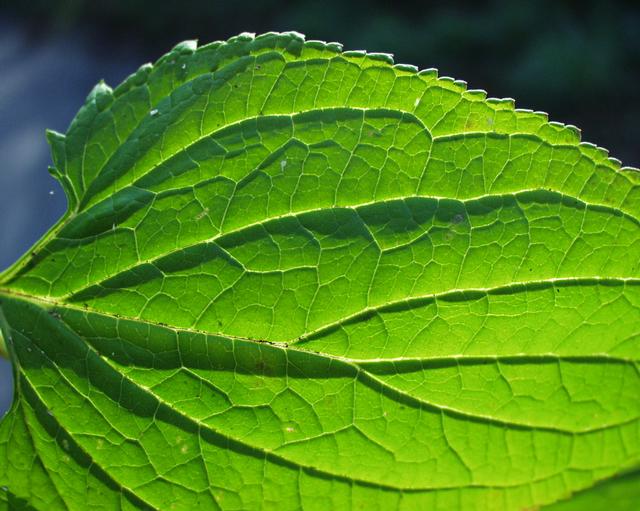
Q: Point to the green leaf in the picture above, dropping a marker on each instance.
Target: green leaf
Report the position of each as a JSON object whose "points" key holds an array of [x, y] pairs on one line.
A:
{"points": [[295, 277], [616, 494]]}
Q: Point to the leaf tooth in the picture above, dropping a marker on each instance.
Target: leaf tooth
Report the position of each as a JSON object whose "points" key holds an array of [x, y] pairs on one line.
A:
{"points": [[476, 94], [430, 72], [294, 34], [572, 133], [271, 37], [101, 95], [211, 46], [188, 46], [54, 136], [261, 40], [577, 131], [135, 79], [406, 67], [544, 116], [55, 173], [57, 141], [323, 46], [59, 173], [99, 89], [502, 103], [295, 43], [602, 153], [616, 162], [382, 57], [143, 72], [535, 120], [450, 83], [291, 41], [316, 44], [354, 53], [245, 36], [260, 37], [594, 152], [67, 186]]}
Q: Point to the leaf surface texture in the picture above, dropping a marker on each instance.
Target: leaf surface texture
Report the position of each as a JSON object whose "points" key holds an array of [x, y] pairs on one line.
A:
{"points": [[296, 277]]}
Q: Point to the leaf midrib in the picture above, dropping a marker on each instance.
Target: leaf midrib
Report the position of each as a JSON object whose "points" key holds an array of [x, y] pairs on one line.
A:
{"points": [[51, 302], [360, 365]]}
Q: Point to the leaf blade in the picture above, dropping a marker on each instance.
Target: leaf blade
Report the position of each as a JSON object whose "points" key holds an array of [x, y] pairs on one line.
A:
{"points": [[275, 249]]}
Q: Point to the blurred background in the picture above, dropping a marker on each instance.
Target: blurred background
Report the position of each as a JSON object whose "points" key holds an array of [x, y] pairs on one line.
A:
{"points": [[577, 60]]}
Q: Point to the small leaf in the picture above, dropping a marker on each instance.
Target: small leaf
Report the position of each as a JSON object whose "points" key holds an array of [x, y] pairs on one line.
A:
{"points": [[291, 277]]}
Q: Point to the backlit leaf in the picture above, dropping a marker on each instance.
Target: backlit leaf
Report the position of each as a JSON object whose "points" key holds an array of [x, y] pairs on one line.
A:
{"points": [[295, 277]]}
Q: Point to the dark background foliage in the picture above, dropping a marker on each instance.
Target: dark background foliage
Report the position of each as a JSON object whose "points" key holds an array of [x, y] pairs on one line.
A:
{"points": [[577, 60]]}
